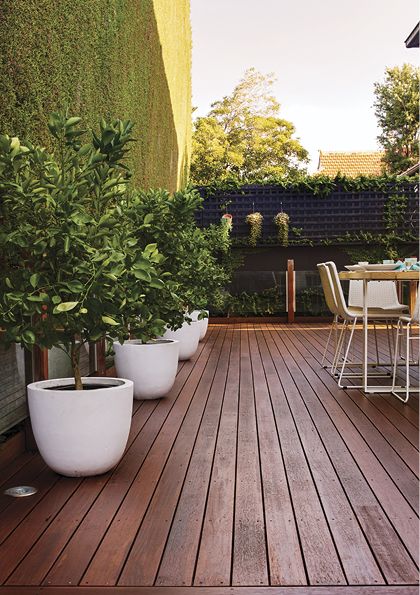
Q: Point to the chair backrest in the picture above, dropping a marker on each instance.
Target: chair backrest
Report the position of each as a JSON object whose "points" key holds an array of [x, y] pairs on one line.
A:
{"points": [[338, 292], [328, 288], [381, 294]]}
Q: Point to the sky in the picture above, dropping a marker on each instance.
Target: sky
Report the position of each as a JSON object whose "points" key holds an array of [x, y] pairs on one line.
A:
{"points": [[326, 55]]}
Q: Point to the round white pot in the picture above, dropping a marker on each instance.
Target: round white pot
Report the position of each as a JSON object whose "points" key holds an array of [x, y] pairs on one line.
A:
{"points": [[188, 336], [203, 323], [151, 366], [81, 432]]}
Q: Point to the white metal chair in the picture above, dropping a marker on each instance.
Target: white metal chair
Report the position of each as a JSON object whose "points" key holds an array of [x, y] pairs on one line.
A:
{"points": [[330, 300], [404, 327], [380, 294], [351, 314]]}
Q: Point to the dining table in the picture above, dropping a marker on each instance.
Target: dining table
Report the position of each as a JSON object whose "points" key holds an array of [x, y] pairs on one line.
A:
{"points": [[411, 277]]}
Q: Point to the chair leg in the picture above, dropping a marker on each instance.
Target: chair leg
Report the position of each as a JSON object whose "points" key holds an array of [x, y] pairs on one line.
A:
{"points": [[397, 355], [328, 341], [338, 349], [376, 343], [347, 353]]}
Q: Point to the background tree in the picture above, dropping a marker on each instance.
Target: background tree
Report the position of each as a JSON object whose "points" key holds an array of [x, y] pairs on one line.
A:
{"points": [[397, 109], [243, 136]]}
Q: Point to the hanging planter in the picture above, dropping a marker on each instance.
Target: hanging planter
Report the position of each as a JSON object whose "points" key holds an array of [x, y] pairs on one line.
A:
{"points": [[282, 222], [254, 221], [227, 219]]}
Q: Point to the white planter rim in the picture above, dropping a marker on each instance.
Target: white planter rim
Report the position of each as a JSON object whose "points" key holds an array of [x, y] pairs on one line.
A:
{"points": [[101, 382], [139, 343]]}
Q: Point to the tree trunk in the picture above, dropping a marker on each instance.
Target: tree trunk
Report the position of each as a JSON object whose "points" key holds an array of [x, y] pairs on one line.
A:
{"points": [[75, 357]]}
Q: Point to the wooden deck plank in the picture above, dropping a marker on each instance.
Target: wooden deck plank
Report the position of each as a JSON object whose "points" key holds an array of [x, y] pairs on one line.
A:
{"points": [[257, 475], [360, 413], [108, 561], [143, 562], [56, 524], [320, 556], [375, 479], [358, 562], [286, 566], [214, 560], [382, 590], [179, 557], [249, 566]]}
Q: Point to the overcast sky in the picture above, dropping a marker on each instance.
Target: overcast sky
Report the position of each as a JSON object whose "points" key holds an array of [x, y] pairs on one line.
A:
{"points": [[326, 55]]}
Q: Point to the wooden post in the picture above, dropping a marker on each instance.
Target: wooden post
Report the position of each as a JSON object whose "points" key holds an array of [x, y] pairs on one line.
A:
{"points": [[100, 358], [40, 364], [290, 291]]}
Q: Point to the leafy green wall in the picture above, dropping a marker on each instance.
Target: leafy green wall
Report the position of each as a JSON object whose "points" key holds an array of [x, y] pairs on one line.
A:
{"points": [[120, 58]]}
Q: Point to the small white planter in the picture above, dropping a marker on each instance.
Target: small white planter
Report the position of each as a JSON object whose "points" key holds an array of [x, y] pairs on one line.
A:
{"points": [[188, 336], [81, 432], [151, 366], [203, 323]]}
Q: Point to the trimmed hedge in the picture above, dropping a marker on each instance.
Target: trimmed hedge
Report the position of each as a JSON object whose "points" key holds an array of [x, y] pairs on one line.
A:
{"points": [[121, 58]]}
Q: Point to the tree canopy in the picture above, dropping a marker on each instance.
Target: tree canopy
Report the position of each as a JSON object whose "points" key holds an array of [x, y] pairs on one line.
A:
{"points": [[244, 137], [397, 110]]}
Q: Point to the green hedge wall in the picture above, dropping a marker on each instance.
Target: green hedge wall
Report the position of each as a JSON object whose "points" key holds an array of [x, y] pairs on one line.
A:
{"points": [[120, 58]]}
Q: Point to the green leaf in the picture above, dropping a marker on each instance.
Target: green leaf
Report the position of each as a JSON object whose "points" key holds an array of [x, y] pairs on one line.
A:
{"points": [[148, 218], [56, 299], [34, 280], [108, 320], [29, 337], [65, 307], [72, 122], [83, 311], [8, 283], [142, 275]]}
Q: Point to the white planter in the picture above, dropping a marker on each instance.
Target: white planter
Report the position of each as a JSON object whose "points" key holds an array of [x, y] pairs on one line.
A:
{"points": [[203, 323], [151, 366], [188, 336], [81, 432]]}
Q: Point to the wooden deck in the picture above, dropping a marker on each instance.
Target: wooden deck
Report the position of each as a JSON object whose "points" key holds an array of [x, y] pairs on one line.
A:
{"points": [[257, 475]]}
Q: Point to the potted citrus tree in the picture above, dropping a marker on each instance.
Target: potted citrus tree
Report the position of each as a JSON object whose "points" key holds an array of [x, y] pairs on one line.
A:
{"points": [[68, 276]]}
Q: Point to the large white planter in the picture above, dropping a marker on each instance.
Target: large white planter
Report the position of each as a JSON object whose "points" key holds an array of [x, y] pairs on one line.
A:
{"points": [[203, 323], [81, 432], [188, 336], [151, 366]]}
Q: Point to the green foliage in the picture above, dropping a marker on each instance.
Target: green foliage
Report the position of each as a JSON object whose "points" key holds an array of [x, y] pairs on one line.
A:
{"points": [[255, 221], [318, 185], [71, 266], [102, 57], [268, 302], [190, 256], [244, 138], [397, 110], [282, 222], [312, 301]]}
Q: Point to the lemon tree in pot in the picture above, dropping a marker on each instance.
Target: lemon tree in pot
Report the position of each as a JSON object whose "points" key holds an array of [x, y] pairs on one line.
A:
{"points": [[67, 277], [190, 259]]}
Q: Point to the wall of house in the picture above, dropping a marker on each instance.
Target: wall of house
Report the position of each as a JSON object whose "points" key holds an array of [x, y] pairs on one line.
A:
{"points": [[129, 59]]}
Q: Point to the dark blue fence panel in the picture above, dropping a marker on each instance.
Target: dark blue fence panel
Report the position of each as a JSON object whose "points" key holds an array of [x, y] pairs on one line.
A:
{"points": [[318, 217]]}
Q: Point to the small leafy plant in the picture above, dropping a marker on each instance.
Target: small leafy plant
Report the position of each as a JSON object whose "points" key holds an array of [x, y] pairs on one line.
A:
{"points": [[71, 267], [255, 221], [282, 222]]}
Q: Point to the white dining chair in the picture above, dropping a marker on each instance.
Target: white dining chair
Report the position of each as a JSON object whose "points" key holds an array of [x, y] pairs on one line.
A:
{"points": [[351, 315], [405, 327]]}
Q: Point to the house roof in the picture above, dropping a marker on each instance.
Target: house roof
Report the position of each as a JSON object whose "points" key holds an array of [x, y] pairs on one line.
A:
{"points": [[412, 40], [367, 163]]}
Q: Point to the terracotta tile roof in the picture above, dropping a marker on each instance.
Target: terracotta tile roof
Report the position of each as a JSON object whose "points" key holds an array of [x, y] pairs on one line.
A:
{"points": [[350, 164]]}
